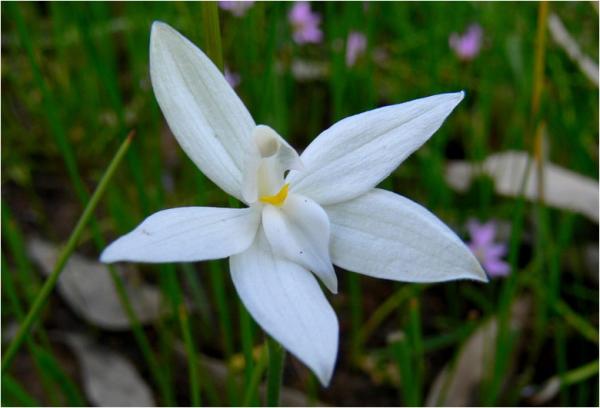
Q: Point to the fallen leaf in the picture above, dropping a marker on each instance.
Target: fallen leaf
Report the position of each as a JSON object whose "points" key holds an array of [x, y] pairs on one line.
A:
{"points": [[88, 288], [304, 70], [109, 379], [563, 188], [562, 37], [458, 382]]}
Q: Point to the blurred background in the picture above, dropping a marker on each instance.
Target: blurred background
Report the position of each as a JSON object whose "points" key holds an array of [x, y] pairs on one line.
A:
{"points": [[517, 161]]}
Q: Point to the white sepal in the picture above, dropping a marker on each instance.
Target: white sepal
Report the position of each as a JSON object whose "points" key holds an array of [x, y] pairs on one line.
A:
{"points": [[299, 231], [209, 120], [186, 234], [358, 152], [288, 303], [385, 235]]}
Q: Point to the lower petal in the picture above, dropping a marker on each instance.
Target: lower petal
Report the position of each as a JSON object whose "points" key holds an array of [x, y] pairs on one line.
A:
{"points": [[186, 234], [299, 231], [287, 302], [387, 236]]}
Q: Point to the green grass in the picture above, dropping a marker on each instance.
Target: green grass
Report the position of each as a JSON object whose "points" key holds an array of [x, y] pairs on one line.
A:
{"points": [[75, 80]]}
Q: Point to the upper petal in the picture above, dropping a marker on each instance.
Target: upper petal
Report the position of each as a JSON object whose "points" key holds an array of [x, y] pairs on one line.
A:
{"points": [[299, 231], [186, 234], [210, 122], [356, 153], [385, 235], [287, 302]]}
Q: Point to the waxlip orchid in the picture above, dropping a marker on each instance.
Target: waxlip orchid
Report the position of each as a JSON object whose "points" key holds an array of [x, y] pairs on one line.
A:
{"points": [[325, 211]]}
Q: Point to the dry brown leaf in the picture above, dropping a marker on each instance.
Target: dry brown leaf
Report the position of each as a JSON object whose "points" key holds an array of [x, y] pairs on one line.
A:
{"points": [[459, 381], [563, 188], [88, 289], [562, 37], [109, 379]]}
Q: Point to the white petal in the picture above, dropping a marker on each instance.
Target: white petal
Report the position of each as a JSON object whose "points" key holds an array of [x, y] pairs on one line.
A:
{"points": [[204, 113], [299, 231], [287, 302], [356, 153], [186, 234], [387, 236]]}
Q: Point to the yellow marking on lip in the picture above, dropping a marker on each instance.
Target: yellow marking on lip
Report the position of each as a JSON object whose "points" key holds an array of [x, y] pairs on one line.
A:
{"points": [[277, 199]]}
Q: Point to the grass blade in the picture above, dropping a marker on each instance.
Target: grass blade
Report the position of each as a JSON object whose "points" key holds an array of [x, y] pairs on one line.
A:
{"points": [[49, 284]]}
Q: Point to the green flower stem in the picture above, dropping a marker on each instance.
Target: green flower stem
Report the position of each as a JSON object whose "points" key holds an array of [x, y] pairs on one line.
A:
{"points": [[42, 297], [257, 373], [274, 371], [247, 339]]}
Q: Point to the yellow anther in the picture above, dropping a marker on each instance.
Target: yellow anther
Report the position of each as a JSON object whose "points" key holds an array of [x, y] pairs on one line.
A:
{"points": [[277, 199]]}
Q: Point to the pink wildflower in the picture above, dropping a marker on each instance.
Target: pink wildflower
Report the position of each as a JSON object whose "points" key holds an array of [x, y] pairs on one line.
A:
{"points": [[237, 8], [305, 23], [355, 47], [232, 78], [486, 251], [468, 45]]}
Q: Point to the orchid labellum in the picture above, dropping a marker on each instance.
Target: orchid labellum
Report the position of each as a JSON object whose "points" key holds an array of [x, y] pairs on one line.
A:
{"points": [[304, 213]]}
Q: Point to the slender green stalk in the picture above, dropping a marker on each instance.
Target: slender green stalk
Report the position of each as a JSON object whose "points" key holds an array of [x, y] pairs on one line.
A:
{"points": [[580, 324], [356, 314], [184, 322], [212, 33], [59, 133], [401, 350], [274, 371], [17, 394], [416, 346], [247, 335], [141, 338], [50, 105], [218, 288], [48, 286], [257, 373], [382, 312], [217, 280], [581, 373], [11, 293], [171, 287], [28, 280]]}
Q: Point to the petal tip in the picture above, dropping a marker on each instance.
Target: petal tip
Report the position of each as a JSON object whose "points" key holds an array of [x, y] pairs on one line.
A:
{"points": [[332, 286], [325, 377], [459, 96], [480, 275], [159, 25], [105, 256]]}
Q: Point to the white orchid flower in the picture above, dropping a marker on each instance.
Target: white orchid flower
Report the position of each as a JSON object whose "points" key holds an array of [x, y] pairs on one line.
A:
{"points": [[325, 211]]}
